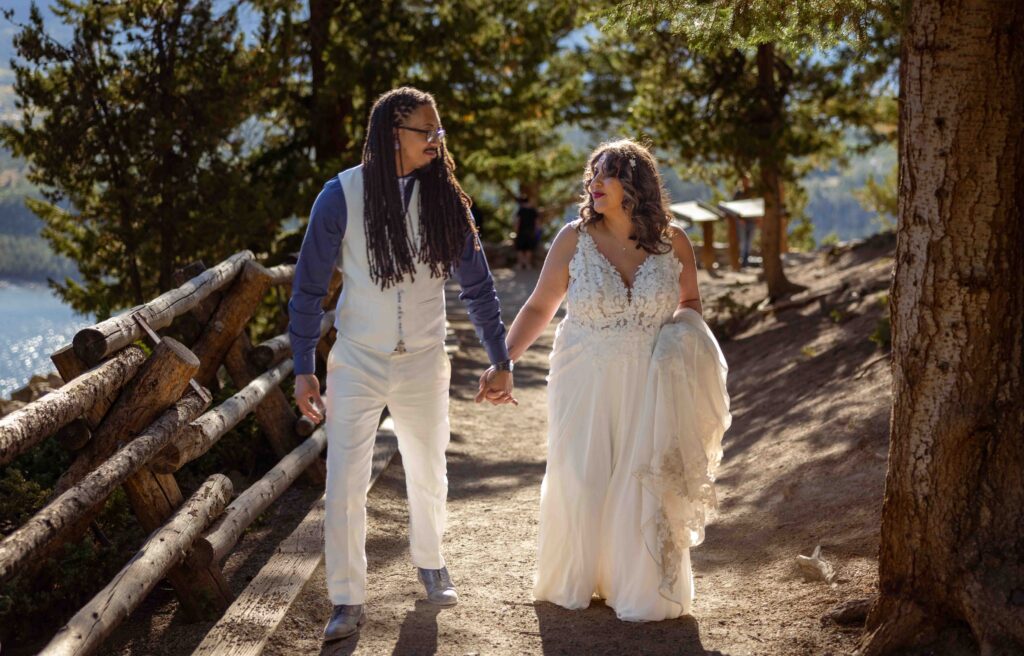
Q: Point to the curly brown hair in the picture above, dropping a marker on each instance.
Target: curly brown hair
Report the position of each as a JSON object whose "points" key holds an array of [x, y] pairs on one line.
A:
{"points": [[644, 197]]}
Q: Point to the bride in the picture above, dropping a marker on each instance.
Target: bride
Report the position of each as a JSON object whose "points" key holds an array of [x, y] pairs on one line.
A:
{"points": [[637, 403]]}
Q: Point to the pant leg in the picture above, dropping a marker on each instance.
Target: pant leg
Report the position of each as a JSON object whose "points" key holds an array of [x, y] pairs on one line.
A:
{"points": [[744, 241], [747, 236], [355, 398], [418, 401]]}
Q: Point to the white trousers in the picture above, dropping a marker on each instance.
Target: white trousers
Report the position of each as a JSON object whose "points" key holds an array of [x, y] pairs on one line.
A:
{"points": [[414, 387]]}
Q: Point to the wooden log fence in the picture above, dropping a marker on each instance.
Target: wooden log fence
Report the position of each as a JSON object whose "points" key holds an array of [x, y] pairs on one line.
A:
{"points": [[282, 274], [25, 428], [77, 434], [160, 381], [230, 318], [268, 353], [258, 497], [200, 435], [166, 547], [255, 614], [134, 421], [97, 342], [49, 526]]}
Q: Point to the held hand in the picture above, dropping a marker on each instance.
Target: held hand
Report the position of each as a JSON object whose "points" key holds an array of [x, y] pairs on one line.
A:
{"points": [[499, 388], [307, 397], [496, 386], [485, 377]]}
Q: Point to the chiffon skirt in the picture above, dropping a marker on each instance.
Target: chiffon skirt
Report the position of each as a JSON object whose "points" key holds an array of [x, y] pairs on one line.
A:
{"points": [[591, 538], [619, 510]]}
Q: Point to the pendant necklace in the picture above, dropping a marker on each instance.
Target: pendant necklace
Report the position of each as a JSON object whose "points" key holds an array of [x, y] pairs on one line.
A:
{"points": [[400, 347]]}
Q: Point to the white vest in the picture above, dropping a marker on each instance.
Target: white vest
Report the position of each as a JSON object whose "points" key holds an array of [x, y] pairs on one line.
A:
{"points": [[368, 315]]}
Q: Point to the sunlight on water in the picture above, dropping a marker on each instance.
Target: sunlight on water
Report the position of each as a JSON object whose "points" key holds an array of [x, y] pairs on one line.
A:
{"points": [[33, 324]]}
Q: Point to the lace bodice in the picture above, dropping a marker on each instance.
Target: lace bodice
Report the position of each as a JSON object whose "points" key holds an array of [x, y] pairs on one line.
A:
{"points": [[601, 308]]}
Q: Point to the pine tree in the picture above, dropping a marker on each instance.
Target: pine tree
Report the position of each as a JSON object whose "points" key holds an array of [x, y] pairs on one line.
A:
{"points": [[735, 88], [494, 67], [952, 555], [132, 132]]}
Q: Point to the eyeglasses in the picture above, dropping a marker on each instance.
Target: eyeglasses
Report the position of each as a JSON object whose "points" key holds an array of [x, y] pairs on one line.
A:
{"points": [[432, 135]]}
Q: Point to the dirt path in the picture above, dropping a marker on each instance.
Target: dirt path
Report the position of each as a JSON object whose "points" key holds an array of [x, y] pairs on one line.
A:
{"points": [[804, 466]]}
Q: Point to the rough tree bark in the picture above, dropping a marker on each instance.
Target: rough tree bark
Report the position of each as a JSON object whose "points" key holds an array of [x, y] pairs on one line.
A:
{"points": [[952, 551], [25, 428], [55, 524], [256, 498], [236, 307], [161, 381], [97, 342]]}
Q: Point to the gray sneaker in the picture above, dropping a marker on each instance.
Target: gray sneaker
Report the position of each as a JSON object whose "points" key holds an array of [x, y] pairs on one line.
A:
{"points": [[439, 586], [345, 620]]}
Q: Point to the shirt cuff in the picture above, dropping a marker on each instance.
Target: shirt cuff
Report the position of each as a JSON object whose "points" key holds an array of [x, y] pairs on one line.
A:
{"points": [[497, 351], [305, 363]]}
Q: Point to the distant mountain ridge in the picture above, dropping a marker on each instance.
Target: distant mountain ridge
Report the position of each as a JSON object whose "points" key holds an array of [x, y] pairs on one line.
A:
{"points": [[24, 254]]}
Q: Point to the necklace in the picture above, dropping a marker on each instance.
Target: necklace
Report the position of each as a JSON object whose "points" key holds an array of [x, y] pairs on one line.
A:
{"points": [[403, 182], [619, 244], [615, 238]]}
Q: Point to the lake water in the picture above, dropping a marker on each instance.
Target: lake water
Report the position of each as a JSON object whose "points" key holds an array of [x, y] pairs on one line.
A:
{"points": [[33, 324]]}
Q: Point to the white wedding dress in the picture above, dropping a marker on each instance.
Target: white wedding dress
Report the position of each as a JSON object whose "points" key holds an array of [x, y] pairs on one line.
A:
{"points": [[637, 406]]}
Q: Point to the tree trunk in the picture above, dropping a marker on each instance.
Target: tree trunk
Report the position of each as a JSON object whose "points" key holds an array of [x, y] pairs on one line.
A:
{"points": [[953, 514], [282, 274], [200, 435], [243, 511], [274, 413], [160, 382], [236, 307], [77, 433], [328, 106], [269, 352], [266, 354], [25, 428], [768, 162]]}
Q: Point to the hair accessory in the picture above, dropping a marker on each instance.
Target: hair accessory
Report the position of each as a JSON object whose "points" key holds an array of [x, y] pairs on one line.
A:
{"points": [[632, 162]]}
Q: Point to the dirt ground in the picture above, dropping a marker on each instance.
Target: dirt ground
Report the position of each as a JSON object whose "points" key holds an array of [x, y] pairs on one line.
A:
{"points": [[804, 465]]}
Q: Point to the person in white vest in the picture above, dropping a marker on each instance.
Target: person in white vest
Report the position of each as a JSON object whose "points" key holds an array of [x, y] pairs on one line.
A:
{"points": [[402, 224]]}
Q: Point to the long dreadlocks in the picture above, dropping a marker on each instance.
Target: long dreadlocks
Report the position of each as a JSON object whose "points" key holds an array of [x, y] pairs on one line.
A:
{"points": [[443, 211]]}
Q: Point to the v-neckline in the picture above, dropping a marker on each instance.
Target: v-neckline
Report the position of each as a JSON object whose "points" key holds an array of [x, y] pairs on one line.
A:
{"points": [[629, 287]]}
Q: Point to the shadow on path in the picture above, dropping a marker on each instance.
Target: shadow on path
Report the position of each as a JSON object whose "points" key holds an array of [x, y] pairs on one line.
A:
{"points": [[596, 630], [418, 634], [343, 647]]}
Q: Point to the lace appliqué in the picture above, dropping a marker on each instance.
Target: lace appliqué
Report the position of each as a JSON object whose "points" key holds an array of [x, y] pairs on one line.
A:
{"points": [[607, 314], [685, 403], [687, 498]]}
